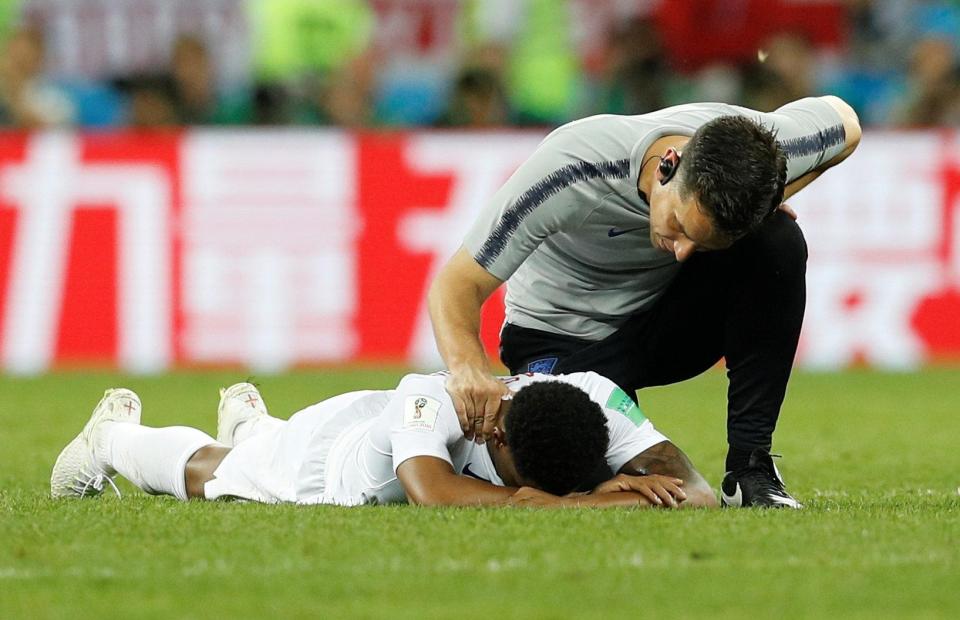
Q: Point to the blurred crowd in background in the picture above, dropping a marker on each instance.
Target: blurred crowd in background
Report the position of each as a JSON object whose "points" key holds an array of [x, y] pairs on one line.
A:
{"points": [[466, 63]]}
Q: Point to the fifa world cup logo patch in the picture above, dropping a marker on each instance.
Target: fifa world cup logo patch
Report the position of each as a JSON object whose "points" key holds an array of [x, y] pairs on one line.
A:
{"points": [[420, 412]]}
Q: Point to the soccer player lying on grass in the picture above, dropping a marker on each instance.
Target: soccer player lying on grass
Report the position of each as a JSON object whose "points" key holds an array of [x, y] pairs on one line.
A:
{"points": [[556, 436]]}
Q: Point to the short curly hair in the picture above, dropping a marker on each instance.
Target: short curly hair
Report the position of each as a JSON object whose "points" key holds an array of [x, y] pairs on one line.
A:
{"points": [[558, 437], [737, 171]]}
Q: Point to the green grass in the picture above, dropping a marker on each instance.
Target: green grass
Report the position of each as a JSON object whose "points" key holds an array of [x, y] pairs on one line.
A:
{"points": [[874, 456]]}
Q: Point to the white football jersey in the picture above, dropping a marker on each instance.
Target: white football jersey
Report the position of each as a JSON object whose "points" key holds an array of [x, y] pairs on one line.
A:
{"points": [[346, 450], [420, 420]]}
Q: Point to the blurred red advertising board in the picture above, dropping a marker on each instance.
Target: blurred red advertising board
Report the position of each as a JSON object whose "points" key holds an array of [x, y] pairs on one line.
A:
{"points": [[278, 248]]}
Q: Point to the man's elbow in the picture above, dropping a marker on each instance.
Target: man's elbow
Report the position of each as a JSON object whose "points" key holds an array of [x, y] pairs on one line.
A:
{"points": [[435, 493], [851, 122], [425, 501], [700, 496], [434, 499], [422, 495]]}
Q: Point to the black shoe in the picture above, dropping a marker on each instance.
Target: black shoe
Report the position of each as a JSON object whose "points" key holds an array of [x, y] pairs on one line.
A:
{"points": [[757, 484]]}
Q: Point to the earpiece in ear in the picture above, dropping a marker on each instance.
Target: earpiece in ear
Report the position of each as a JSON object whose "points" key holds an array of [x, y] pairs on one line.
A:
{"points": [[667, 168]]}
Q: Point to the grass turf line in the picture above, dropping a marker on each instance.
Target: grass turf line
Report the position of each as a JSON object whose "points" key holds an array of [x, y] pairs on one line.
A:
{"points": [[872, 455]]}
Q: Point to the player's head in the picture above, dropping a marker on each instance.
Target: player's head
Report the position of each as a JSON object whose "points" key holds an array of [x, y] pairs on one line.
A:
{"points": [[557, 438], [729, 179]]}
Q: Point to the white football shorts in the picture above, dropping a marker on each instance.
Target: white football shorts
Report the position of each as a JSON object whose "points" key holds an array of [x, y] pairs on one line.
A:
{"points": [[287, 461]]}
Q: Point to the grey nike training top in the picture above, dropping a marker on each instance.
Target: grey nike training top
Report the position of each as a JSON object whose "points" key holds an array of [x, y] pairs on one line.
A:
{"points": [[569, 232]]}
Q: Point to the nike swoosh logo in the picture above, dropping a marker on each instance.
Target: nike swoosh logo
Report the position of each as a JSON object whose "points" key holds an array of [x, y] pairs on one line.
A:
{"points": [[786, 501], [467, 472], [732, 500], [737, 499], [613, 232]]}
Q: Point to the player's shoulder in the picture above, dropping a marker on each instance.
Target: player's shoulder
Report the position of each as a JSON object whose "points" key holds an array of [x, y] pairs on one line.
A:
{"points": [[420, 381], [425, 400]]}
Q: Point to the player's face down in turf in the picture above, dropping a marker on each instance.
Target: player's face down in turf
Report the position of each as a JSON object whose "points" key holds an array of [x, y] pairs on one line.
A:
{"points": [[503, 459], [502, 455], [553, 437]]}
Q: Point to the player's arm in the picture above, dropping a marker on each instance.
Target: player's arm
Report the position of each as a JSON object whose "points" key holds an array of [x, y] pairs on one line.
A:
{"points": [[431, 481], [666, 459], [455, 299], [644, 459], [529, 497], [852, 133]]}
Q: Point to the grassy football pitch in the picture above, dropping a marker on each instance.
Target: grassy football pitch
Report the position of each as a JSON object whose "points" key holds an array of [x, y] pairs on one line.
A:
{"points": [[875, 457]]}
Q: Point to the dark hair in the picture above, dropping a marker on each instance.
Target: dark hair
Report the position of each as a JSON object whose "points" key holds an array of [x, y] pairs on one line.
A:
{"points": [[735, 169], [558, 437]]}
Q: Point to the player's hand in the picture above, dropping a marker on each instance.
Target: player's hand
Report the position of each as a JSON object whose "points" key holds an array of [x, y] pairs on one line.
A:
{"points": [[789, 211], [659, 490], [476, 396]]}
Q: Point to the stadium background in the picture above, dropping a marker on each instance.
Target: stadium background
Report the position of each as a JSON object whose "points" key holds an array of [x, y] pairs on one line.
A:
{"points": [[194, 191], [274, 183]]}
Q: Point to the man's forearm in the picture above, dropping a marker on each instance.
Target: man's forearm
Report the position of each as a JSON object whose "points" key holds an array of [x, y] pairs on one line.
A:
{"points": [[454, 301], [466, 491], [455, 316], [430, 481]]}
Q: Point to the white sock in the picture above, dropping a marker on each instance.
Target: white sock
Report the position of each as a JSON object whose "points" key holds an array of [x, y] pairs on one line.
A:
{"points": [[255, 426], [154, 459]]}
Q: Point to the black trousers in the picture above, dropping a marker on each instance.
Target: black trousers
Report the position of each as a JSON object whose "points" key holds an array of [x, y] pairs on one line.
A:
{"points": [[744, 304]]}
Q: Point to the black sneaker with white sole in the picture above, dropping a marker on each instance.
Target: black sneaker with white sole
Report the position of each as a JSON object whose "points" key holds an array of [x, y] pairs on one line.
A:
{"points": [[757, 484]]}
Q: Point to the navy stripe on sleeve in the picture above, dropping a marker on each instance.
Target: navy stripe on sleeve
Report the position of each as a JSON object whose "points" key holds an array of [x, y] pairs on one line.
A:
{"points": [[813, 143], [539, 193]]}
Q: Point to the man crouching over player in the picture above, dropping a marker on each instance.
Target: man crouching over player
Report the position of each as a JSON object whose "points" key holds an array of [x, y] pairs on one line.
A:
{"points": [[557, 435]]}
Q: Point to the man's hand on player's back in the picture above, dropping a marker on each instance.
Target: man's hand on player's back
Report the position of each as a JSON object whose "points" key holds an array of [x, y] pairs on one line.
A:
{"points": [[476, 396]]}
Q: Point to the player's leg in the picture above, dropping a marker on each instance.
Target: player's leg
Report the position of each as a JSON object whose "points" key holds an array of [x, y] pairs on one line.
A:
{"points": [[162, 461], [153, 459], [242, 413], [201, 467]]}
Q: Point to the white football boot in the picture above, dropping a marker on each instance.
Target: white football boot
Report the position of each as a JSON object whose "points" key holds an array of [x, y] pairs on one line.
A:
{"points": [[239, 403], [81, 468]]}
